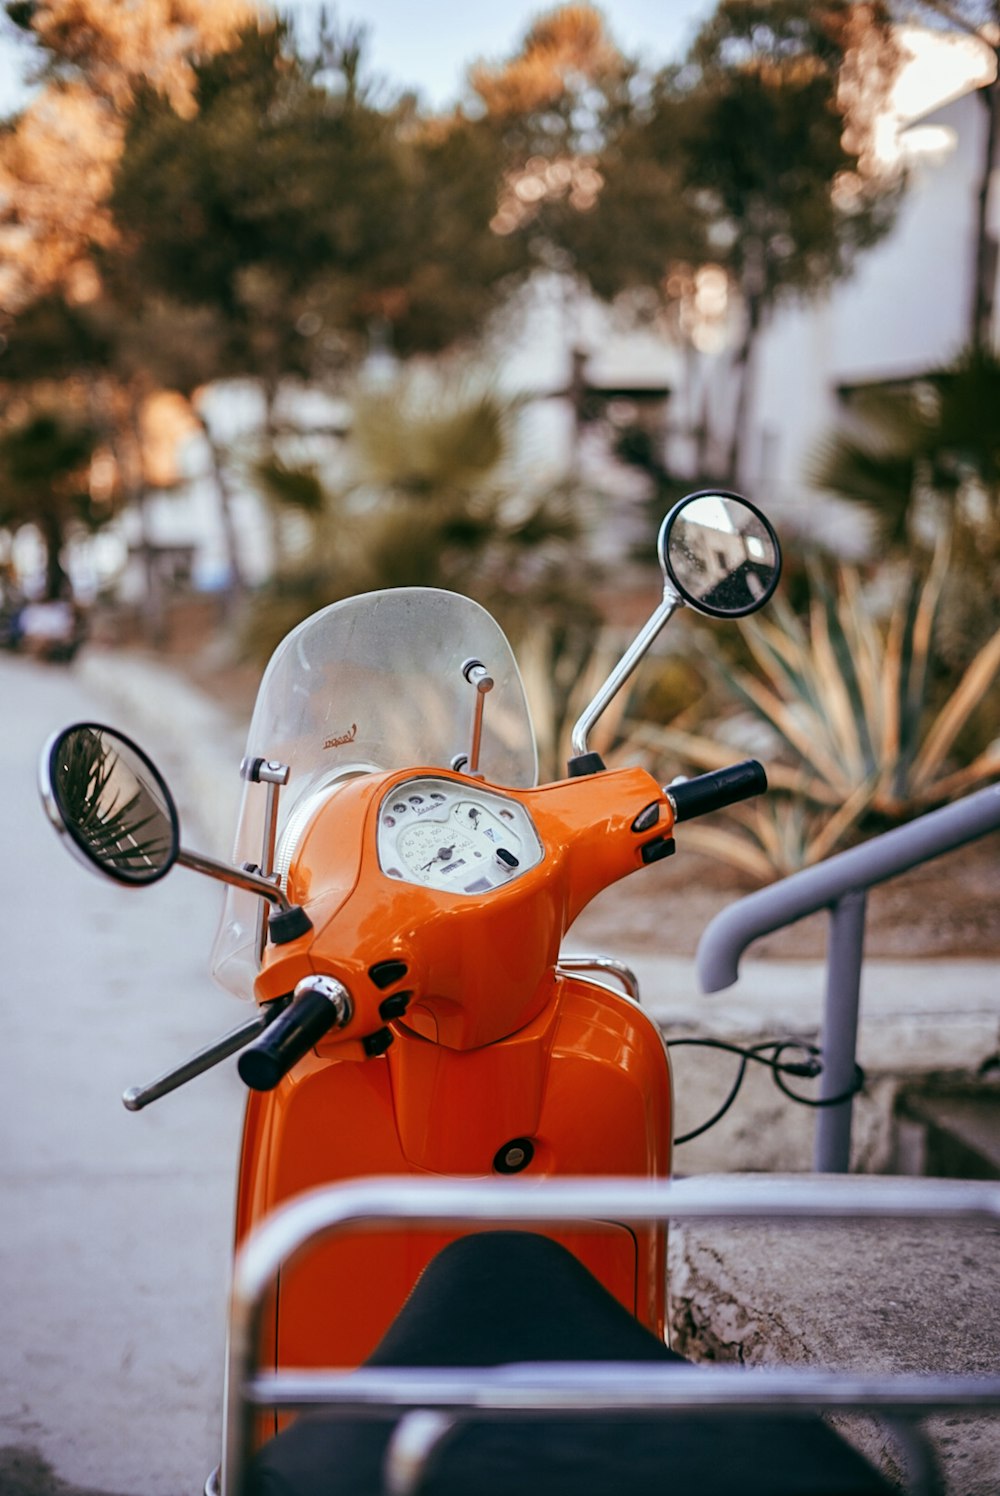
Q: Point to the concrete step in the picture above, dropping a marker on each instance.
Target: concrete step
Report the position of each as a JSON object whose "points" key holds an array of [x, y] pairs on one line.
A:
{"points": [[877, 1297], [952, 1136]]}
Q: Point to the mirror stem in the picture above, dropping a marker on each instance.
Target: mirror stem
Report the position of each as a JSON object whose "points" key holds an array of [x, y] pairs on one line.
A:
{"points": [[225, 873], [640, 645]]}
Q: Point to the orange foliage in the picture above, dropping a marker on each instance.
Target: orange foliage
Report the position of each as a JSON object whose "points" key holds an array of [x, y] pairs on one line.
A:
{"points": [[569, 43], [574, 178], [56, 168], [871, 62], [57, 163], [117, 45], [165, 421]]}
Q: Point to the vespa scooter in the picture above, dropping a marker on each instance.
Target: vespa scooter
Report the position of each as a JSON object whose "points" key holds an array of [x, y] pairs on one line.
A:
{"points": [[400, 891]]}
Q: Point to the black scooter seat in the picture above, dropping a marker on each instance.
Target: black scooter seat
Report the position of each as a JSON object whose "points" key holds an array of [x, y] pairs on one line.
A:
{"points": [[504, 1297]]}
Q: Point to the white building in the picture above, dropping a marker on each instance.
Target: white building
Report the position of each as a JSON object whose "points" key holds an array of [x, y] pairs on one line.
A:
{"points": [[906, 309]]}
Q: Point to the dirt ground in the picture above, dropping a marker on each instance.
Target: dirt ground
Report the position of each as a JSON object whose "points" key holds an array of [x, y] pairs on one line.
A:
{"points": [[949, 907]]}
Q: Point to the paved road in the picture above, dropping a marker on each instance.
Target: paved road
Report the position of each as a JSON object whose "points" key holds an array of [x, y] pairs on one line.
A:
{"points": [[114, 1228]]}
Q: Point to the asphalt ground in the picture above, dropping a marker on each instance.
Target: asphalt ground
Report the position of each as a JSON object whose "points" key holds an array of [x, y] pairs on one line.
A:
{"points": [[115, 1228]]}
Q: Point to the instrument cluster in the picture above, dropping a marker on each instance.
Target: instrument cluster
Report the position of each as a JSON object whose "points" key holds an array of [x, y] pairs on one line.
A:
{"points": [[439, 833]]}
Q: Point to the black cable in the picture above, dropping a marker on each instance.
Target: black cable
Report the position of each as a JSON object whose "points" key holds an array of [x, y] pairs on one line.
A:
{"points": [[808, 1068], [723, 1109], [857, 1081]]}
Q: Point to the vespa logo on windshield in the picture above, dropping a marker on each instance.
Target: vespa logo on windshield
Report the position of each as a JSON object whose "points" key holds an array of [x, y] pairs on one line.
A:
{"points": [[344, 737]]}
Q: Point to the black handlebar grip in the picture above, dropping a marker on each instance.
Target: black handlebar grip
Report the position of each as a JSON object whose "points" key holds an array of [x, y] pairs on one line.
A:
{"points": [[696, 797], [319, 1004]]}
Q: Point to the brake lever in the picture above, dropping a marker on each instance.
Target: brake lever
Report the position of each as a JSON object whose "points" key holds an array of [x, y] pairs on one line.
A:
{"points": [[136, 1097]]}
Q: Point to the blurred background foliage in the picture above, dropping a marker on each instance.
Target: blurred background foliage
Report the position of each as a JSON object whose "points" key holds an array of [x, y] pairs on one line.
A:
{"points": [[430, 494], [924, 460], [195, 195]]}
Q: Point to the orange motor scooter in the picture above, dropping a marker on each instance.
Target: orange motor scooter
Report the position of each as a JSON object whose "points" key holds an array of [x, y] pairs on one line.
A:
{"points": [[400, 893]]}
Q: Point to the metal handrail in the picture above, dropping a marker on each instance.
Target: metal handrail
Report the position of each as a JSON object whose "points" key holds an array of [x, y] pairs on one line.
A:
{"points": [[426, 1204], [839, 885]]}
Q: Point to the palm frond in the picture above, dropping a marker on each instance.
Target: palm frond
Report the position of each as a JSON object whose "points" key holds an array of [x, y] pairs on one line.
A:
{"points": [[93, 803]]}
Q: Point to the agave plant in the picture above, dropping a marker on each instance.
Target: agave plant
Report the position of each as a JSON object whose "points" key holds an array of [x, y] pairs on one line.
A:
{"points": [[847, 702]]}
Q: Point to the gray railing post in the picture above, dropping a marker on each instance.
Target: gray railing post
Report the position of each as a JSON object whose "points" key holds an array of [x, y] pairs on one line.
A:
{"points": [[845, 955], [839, 885]]}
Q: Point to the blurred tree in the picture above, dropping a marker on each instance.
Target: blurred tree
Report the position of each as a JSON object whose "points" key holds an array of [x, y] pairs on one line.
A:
{"points": [[222, 208], [114, 47], [66, 311], [293, 215], [78, 354], [154, 345], [455, 269], [45, 456], [562, 110], [753, 156], [427, 496], [303, 212], [769, 122], [58, 156]]}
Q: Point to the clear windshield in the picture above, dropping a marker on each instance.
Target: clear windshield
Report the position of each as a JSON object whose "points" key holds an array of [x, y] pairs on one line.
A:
{"points": [[372, 683]]}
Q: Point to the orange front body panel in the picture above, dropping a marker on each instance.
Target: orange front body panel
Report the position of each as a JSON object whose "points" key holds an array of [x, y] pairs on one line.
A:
{"points": [[587, 1082], [495, 1046], [480, 967]]}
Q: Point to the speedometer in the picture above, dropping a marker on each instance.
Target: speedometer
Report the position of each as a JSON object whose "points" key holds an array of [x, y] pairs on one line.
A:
{"points": [[441, 834]]}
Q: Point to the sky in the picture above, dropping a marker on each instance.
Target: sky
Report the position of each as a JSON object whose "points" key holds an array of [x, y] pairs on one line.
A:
{"points": [[427, 45]]}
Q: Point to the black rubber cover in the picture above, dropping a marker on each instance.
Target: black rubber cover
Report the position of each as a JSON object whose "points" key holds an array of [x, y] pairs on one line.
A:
{"points": [[288, 924], [696, 797], [585, 763], [283, 1043]]}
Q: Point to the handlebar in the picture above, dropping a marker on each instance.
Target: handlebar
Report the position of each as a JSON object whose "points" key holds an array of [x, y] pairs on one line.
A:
{"points": [[319, 1004], [714, 791]]}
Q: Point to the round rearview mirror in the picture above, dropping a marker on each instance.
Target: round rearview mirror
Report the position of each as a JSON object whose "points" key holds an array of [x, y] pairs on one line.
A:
{"points": [[720, 553], [111, 802]]}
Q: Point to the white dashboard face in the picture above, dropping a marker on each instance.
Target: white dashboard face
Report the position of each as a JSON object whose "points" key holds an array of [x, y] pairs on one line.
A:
{"points": [[441, 834]]}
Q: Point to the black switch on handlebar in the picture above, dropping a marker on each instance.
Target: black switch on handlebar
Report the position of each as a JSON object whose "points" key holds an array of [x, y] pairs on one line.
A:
{"points": [[647, 817], [394, 1006], [657, 849], [384, 973], [377, 1043]]}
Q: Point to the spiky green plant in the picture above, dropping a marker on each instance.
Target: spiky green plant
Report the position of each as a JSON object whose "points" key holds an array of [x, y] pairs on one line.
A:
{"points": [[858, 734]]}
